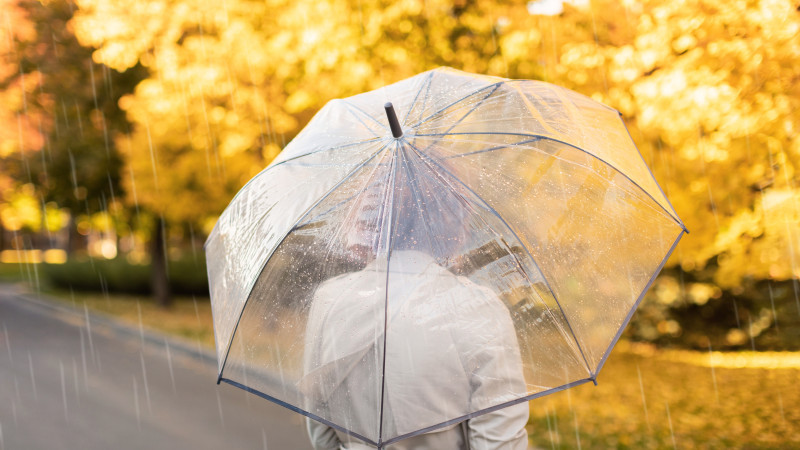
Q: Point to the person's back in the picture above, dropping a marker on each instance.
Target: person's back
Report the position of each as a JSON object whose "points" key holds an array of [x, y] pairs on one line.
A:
{"points": [[451, 351]]}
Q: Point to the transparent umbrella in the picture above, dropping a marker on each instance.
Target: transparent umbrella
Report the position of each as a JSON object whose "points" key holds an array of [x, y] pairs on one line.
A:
{"points": [[403, 267]]}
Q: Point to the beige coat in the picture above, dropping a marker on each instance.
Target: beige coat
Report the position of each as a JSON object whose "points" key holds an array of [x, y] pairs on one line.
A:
{"points": [[451, 350]]}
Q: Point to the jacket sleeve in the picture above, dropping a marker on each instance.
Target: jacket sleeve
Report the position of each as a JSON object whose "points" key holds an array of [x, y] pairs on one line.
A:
{"points": [[322, 436], [491, 356], [501, 429]]}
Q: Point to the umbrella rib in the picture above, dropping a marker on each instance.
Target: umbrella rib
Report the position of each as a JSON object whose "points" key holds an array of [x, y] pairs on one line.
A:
{"points": [[488, 410], [514, 234], [495, 85], [298, 410], [427, 88], [532, 109], [294, 158], [491, 149], [636, 304], [651, 174], [336, 206], [352, 107], [338, 147], [415, 195], [474, 107], [540, 136], [308, 211], [392, 225]]}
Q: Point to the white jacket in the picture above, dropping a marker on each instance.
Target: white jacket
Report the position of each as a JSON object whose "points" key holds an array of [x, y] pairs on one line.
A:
{"points": [[451, 350]]}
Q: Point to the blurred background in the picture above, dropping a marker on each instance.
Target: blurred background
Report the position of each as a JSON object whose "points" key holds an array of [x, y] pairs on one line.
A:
{"points": [[127, 126]]}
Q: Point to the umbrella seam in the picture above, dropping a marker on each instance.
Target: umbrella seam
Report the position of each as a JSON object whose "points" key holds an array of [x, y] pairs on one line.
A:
{"points": [[427, 88], [392, 224], [336, 206], [297, 410], [636, 304], [496, 214], [534, 111], [495, 85], [476, 106], [416, 198], [350, 105], [677, 221], [651, 174], [491, 149], [250, 289], [280, 163], [352, 108], [488, 410], [660, 209]]}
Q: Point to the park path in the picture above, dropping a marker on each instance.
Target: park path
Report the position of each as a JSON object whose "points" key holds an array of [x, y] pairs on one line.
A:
{"points": [[69, 383]]}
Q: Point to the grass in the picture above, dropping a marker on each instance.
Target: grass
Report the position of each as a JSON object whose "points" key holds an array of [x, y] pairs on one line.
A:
{"points": [[13, 272], [187, 317], [649, 398]]}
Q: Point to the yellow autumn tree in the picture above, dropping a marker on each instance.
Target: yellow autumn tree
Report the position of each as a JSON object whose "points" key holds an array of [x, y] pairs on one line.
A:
{"points": [[19, 127], [231, 83], [708, 88], [710, 92]]}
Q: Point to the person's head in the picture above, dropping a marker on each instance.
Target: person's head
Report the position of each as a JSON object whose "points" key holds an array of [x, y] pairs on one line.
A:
{"points": [[419, 214]]}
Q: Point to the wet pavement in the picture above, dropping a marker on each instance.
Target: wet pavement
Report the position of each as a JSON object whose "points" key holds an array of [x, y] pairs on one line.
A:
{"points": [[71, 383]]}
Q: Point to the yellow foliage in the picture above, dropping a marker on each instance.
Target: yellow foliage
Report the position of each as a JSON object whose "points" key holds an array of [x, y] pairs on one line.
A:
{"points": [[649, 398], [21, 210], [708, 88]]}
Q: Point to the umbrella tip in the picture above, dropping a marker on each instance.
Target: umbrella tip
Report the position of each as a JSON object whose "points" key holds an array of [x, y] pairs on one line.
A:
{"points": [[394, 124]]}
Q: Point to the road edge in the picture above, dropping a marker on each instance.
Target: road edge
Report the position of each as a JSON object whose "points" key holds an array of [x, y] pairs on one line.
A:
{"points": [[148, 336]]}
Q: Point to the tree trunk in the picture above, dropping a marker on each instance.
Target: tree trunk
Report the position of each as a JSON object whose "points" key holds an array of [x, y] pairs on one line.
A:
{"points": [[159, 281], [75, 241]]}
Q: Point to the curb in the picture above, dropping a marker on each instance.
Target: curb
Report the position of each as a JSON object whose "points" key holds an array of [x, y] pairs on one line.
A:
{"points": [[149, 337]]}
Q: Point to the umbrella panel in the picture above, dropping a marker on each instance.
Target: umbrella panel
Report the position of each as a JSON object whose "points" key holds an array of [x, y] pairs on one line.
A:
{"points": [[534, 109], [287, 346], [471, 324], [311, 335], [421, 97], [258, 219], [597, 238], [547, 222]]}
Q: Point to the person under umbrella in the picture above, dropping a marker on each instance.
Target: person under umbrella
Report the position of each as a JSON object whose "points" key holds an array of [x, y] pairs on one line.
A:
{"points": [[429, 308], [492, 204]]}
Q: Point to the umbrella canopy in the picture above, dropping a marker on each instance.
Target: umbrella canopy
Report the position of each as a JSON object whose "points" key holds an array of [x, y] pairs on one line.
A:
{"points": [[391, 273]]}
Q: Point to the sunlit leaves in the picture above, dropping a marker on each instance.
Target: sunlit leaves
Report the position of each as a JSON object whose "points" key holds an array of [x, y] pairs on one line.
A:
{"points": [[709, 90], [23, 210], [232, 83]]}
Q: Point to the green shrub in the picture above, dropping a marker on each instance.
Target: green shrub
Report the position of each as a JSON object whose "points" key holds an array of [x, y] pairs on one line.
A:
{"points": [[187, 277], [686, 309]]}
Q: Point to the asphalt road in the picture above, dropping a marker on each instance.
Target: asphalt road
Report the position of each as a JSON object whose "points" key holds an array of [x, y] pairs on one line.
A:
{"points": [[66, 383]]}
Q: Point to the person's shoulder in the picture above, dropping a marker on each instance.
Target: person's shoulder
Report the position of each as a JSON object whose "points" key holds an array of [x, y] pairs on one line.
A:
{"points": [[476, 290], [335, 285], [474, 296]]}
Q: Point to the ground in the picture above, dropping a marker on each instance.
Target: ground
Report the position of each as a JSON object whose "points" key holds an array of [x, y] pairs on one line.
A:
{"points": [[646, 397]]}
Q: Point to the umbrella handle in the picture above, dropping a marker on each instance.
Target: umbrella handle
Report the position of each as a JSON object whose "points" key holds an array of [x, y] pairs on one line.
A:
{"points": [[394, 124]]}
